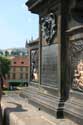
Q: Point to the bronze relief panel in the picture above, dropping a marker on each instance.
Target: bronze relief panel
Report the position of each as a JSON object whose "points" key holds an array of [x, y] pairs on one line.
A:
{"points": [[48, 28], [76, 47], [76, 44], [34, 73]]}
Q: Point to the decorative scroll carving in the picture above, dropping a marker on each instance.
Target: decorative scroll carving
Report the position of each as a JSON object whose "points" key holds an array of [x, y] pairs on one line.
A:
{"points": [[48, 29], [77, 47]]}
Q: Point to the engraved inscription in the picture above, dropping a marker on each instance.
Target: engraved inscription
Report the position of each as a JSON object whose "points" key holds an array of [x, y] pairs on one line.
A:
{"points": [[49, 65]]}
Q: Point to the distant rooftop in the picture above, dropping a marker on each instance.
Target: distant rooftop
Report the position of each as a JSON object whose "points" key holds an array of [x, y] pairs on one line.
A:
{"points": [[14, 51]]}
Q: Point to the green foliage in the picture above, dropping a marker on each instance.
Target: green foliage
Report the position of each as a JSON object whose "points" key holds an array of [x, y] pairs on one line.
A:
{"points": [[4, 66], [1, 53], [6, 53]]}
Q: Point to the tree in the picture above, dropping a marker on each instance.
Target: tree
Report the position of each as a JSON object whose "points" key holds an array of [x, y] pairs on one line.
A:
{"points": [[15, 52], [6, 53], [12, 53], [4, 66], [1, 53]]}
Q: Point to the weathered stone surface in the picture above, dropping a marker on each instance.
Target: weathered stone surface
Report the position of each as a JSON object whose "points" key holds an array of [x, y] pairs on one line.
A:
{"points": [[17, 111]]}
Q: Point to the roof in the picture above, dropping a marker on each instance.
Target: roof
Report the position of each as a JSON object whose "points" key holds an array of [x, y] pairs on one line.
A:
{"points": [[20, 61], [34, 41]]}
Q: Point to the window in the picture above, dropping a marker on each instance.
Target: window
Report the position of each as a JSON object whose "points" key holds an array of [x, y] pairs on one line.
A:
{"points": [[8, 76], [14, 69], [22, 62], [21, 75], [26, 69], [21, 69], [14, 62], [26, 75], [14, 75]]}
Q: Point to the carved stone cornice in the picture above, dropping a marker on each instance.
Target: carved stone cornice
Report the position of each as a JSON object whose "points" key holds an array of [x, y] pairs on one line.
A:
{"points": [[32, 4]]}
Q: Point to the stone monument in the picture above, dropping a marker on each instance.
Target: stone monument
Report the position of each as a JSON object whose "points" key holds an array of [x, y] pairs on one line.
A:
{"points": [[56, 61]]}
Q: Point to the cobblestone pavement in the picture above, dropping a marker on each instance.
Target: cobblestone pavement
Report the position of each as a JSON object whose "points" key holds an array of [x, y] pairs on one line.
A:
{"points": [[19, 112]]}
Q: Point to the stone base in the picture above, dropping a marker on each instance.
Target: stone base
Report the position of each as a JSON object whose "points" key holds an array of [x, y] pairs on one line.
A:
{"points": [[17, 111]]}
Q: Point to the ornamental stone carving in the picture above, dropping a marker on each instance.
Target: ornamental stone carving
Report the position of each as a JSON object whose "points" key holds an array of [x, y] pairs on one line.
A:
{"points": [[48, 27]]}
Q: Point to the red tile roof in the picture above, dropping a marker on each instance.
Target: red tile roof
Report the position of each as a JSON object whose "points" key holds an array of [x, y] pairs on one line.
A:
{"points": [[20, 61]]}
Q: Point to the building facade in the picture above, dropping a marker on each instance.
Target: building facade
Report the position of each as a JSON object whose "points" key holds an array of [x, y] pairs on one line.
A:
{"points": [[18, 70]]}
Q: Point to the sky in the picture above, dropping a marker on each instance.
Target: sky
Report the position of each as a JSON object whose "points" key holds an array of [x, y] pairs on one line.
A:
{"points": [[17, 24]]}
